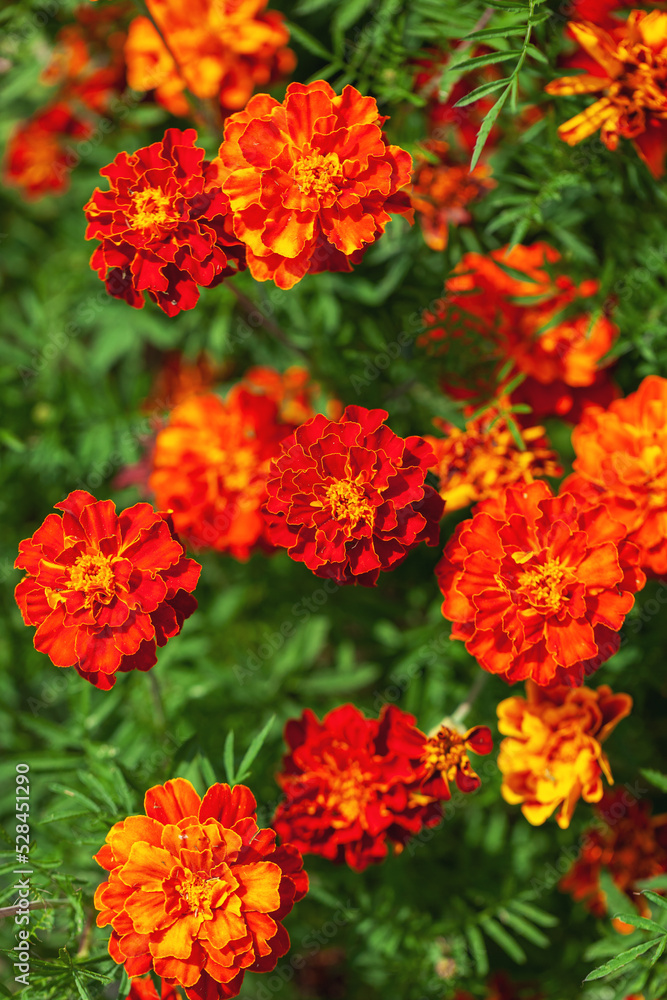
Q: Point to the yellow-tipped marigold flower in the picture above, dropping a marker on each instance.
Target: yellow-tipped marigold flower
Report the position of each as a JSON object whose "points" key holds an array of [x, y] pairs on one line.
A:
{"points": [[196, 891], [553, 756], [477, 462], [628, 70]]}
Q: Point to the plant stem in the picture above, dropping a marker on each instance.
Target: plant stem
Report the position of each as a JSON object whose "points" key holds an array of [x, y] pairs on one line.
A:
{"points": [[45, 904], [250, 307]]}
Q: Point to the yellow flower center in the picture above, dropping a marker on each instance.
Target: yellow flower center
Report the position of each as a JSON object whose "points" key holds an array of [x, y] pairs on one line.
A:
{"points": [[543, 585], [348, 502], [317, 174], [150, 209], [347, 794], [92, 573], [444, 752], [197, 891]]}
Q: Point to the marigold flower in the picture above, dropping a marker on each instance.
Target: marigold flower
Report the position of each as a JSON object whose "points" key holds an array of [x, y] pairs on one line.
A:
{"points": [[538, 322], [311, 182], [622, 461], [553, 756], [196, 891], [159, 230], [143, 989], [539, 585], [626, 841], [224, 50], [629, 67], [348, 497], [39, 156], [441, 192], [293, 390], [210, 468], [104, 589], [355, 785], [478, 462]]}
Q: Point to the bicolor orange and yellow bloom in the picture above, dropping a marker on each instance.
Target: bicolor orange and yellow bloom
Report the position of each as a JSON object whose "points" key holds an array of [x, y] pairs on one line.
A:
{"points": [[159, 230], [628, 66], [552, 755], [478, 462], [622, 462], [312, 181], [143, 989], [538, 585], [197, 891], [354, 785], [210, 467], [104, 589], [224, 50], [348, 497]]}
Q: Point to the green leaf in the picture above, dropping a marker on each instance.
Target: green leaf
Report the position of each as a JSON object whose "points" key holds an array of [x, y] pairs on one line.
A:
{"points": [[481, 36], [655, 898], [533, 912], [620, 961], [643, 922], [308, 42], [504, 940], [524, 927], [482, 91], [478, 949], [655, 777], [228, 757], [253, 750], [476, 62], [486, 126]]}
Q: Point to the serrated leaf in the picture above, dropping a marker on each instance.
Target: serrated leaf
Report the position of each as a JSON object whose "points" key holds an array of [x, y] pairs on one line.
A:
{"points": [[476, 62], [482, 91], [484, 33], [485, 128], [620, 961], [642, 922], [655, 898]]}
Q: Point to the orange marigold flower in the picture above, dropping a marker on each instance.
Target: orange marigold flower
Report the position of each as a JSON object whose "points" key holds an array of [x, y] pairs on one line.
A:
{"points": [[210, 468], [553, 756], [159, 230], [630, 64], [626, 841], [104, 589], [348, 497], [538, 321], [311, 181], [622, 461], [441, 192], [224, 50], [196, 891], [353, 784], [39, 156], [478, 462], [143, 989], [538, 585], [293, 390]]}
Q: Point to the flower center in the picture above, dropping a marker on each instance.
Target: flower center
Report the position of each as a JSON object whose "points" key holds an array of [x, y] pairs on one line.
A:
{"points": [[150, 209], [543, 585], [348, 502], [317, 174], [203, 894], [641, 86], [444, 752], [347, 794], [92, 573]]}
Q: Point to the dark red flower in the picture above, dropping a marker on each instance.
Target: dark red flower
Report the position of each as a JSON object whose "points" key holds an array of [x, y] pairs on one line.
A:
{"points": [[347, 497], [160, 231]]}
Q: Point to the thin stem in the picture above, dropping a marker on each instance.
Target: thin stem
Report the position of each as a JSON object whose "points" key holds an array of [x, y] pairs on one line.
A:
{"points": [[250, 307], [469, 700], [157, 701], [429, 89], [42, 904]]}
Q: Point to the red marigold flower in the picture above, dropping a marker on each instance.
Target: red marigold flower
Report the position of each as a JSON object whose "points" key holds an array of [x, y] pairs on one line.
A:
{"points": [[104, 589], [224, 50], [626, 841], [622, 462], [442, 190], [538, 322], [311, 182], [160, 231], [478, 462], [196, 891], [143, 989], [354, 784], [39, 155], [348, 498], [538, 585], [629, 64], [211, 465], [552, 756]]}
